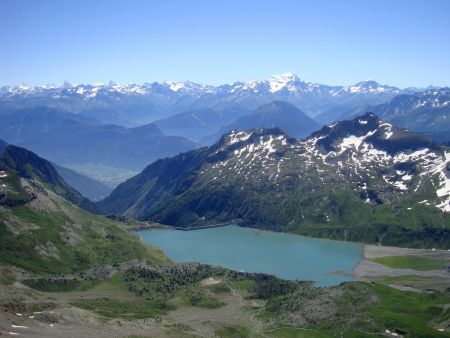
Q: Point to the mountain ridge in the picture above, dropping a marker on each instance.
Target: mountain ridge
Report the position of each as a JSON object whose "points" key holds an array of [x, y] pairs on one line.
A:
{"points": [[338, 183], [20, 163], [67, 139], [131, 104], [427, 112], [283, 81], [275, 114], [88, 187], [45, 226]]}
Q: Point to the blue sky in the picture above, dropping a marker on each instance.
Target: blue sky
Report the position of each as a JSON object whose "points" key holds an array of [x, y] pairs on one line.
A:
{"points": [[397, 42]]}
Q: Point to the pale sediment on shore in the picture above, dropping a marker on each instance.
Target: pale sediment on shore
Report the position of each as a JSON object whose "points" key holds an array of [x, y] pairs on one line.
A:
{"points": [[367, 268], [371, 269], [376, 251]]}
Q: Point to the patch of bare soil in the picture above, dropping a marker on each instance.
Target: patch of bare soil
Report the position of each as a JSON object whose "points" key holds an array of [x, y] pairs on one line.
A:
{"points": [[210, 281]]}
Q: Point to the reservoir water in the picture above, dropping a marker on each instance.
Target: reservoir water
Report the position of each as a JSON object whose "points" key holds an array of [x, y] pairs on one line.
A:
{"points": [[284, 255]]}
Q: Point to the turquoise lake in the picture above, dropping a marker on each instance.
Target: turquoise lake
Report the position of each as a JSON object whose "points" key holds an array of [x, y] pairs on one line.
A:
{"points": [[284, 255]]}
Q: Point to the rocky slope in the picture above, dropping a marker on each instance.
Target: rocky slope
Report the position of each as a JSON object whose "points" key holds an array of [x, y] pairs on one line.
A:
{"points": [[21, 168], [43, 230]]}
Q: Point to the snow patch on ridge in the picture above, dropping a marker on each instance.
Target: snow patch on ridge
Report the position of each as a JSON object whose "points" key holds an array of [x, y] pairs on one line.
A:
{"points": [[444, 187], [387, 130], [354, 141], [236, 137]]}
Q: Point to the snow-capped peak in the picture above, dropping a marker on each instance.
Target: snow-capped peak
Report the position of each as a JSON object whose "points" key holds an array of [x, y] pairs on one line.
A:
{"points": [[278, 82], [281, 85], [369, 86], [174, 86], [24, 87]]}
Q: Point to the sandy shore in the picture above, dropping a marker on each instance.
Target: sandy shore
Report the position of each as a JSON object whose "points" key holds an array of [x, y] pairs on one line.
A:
{"points": [[375, 251]]}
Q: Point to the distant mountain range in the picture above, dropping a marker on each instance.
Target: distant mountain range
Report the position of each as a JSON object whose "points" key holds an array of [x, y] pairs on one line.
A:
{"points": [[207, 126], [277, 114], [426, 112], [70, 139], [199, 124], [362, 179], [132, 104], [197, 111]]}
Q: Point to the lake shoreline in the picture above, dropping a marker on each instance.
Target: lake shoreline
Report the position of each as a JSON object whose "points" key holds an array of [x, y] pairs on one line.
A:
{"points": [[364, 270], [170, 227], [370, 250], [287, 256]]}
